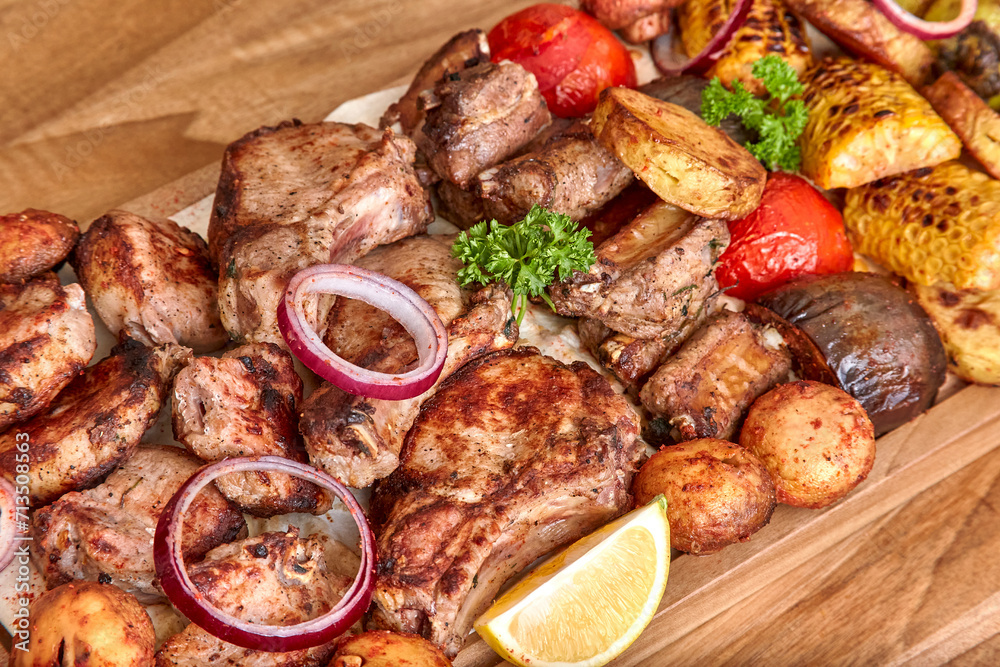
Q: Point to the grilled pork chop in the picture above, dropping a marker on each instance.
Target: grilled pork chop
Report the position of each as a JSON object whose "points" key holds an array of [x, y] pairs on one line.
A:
{"points": [[96, 422], [515, 455], [106, 533], [46, 338], [297, 195], [152, 279], [244, 404], [357, 440], [33, 241], [271, 579]]}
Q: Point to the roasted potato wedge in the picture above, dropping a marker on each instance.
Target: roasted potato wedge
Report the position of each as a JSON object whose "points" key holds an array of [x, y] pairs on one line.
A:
{"points": [[969, 324], [380, 648], [976, 124], [681, 158]]}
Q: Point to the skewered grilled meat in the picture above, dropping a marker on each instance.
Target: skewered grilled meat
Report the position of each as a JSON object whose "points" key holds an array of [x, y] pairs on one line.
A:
{"points": [[358, 440], [459, 207], [106, 533], [297, 195], [32, 242], [770, 29], [271, 579], [96, 422], [970, 117], [478, 117], [865, 123], [244, 404], [46, 338], [515, 455], [651, 276], [704, 389], [151, 279]]}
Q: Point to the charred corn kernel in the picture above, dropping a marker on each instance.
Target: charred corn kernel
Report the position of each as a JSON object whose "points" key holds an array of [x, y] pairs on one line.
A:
{"points": [[933, 226], [865, 123], [770, 29]]}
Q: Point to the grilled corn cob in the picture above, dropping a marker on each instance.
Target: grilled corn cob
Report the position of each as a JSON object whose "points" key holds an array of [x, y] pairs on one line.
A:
{"points": [[933, 226], [770, 29], [969, 324], [865, 123]]}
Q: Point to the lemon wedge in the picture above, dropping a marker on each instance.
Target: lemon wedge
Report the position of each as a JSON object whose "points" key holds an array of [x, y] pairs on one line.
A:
{"points": [[588, 603]]}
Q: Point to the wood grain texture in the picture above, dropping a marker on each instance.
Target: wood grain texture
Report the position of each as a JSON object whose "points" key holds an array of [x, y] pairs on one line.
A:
{"points": [[135, 104]]}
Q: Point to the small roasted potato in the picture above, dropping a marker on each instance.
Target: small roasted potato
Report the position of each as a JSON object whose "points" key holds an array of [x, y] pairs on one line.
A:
{"points": [[380, 648], [86, 624], [33, 241], [718, 493], [815, 439]]}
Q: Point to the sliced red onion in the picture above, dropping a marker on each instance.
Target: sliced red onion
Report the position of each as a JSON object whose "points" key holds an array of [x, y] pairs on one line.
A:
{"points": [[674, 63], [918, 27], [188, 600], [416, 315], [8, 527]]}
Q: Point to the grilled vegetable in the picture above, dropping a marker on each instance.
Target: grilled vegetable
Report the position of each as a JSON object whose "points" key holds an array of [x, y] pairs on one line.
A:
{"points": [[680, 158], [931, 226], [975, 123], [975, 56], [862, 29], [865, 123], [770, 29], [969, 324]]}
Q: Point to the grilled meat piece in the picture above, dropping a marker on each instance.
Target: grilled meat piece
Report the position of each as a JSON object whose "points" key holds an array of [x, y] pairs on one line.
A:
{"points": [[151, 279], [970, 117], [96, 422], [271, 579], [108, 531], [244, 404], [46, 338], [296, 195], [570, 173], [479, 117], [357, 440], [648, 27], [615, 14], [705, 388], [651, 276], [514, 456], [459, 207], [33, 241]]}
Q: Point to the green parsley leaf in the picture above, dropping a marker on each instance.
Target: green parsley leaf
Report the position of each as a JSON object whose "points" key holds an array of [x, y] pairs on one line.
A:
{"points": [[777, 120], [527, 255]]}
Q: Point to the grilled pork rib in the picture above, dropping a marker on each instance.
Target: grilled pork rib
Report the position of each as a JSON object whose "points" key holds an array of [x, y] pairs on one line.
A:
{"points": [[515, 455], [297, 195], [357, 440], [244, 404], [108, 531]]}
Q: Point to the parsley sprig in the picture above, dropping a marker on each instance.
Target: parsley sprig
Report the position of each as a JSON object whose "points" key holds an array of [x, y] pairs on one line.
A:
{"points": [[778, 120], [526, 255]]}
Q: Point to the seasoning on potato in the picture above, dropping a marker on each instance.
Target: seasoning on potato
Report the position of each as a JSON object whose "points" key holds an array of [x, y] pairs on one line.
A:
{"points": [[815, 439], [717, 493], [85, 623]]}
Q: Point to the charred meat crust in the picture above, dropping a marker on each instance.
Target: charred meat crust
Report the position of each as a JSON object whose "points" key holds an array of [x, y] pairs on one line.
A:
{"points": [[34, 241]]}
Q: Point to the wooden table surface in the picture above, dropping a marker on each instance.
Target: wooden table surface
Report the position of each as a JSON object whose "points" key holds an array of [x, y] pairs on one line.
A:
{"points": [[103, 103]]}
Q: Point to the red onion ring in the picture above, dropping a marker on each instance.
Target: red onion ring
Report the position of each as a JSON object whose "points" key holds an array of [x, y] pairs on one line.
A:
{"points": [[918, 27], [673, 63], [188, 600], [8, 527], [417, 316]]}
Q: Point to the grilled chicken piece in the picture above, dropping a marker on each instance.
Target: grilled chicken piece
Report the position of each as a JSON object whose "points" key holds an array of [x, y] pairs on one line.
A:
{"points": [[704, 389], [106, 533], [96, 422], [151, 279], [865, 123], [570, 173], [357, 440], [651, 276], [479, 117], [271, 579], [862, 29], [647, 28], [970, 117], [46, 338], [514, 456], [770, 29], [244, 404], [296, 195], [32, 242]]}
